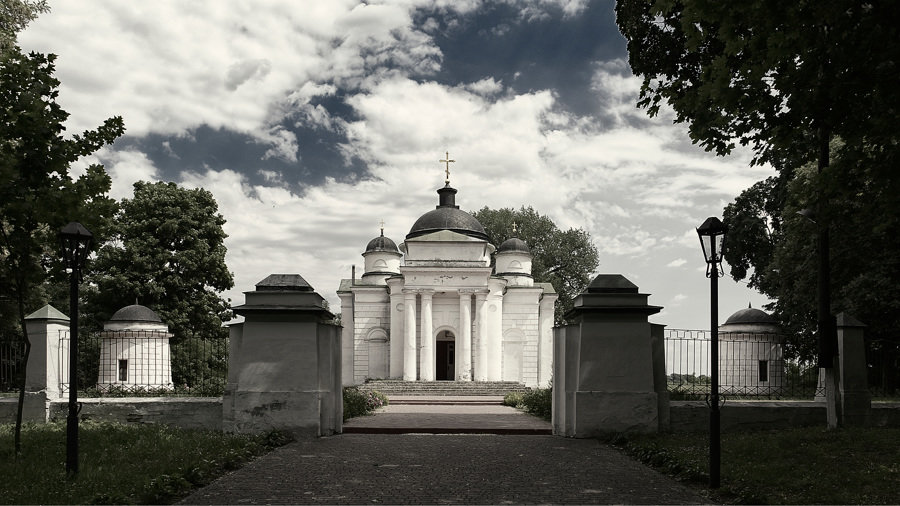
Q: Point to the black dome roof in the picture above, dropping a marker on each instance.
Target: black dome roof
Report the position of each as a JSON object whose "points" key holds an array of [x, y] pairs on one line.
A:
{"points": [[751, 315], [514, 244], [447, 216], [382, 243], [135, 313]]}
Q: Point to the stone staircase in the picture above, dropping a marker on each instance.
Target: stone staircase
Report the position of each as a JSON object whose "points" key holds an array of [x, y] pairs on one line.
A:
{"points": [[393, 388]]}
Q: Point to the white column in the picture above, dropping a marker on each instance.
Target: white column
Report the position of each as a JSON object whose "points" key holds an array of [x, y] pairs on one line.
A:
{"points": [[426, 354], [481, 337], [495, 329], [409, 336], [464, 353], [347, 338], [545, 343], [396, 363]]}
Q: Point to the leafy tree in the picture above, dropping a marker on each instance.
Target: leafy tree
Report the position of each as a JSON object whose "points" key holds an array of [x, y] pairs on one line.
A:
{"points": [[566, 259], [167, 252], [770, 239], [15, 16], [38, 194], [781, 77], [786, 79]]}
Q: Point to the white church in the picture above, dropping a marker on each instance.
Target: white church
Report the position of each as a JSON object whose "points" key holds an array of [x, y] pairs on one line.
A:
{"points": [[433, 309]]}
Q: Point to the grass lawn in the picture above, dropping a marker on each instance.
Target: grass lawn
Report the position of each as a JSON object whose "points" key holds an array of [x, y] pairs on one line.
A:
{"points": [[123, 464], [796, 466]]}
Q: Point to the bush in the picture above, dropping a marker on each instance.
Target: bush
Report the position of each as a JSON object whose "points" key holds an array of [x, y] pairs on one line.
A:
{"points": [[360, 403], [539, 402], [513, 399]]}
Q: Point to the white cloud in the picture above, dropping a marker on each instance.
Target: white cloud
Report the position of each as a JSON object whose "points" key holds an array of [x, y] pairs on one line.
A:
{"points": [[637, 185]]}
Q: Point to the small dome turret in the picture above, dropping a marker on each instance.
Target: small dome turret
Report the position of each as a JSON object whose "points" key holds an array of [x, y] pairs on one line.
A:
{"points": [[751, 315], [382, 243], [382, 259], [513, 261], [135, 313], [751, 320], [135, 317], [514, 244]]}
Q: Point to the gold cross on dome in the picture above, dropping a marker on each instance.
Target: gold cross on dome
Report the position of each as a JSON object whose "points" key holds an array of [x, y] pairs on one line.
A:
{"points": [[447, 161], [382, 227]]}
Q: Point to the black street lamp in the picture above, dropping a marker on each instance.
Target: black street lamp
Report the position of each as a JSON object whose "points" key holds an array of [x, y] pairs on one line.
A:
{"points": [[712, 238], [75, 243]]}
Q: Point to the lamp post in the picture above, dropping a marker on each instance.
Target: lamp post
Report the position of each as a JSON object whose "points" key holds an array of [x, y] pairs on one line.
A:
{"points": [[712, 238], [75, 243]]}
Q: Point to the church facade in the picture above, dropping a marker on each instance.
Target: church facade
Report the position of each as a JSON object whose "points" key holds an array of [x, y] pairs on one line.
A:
{"points": [[434, 309]]}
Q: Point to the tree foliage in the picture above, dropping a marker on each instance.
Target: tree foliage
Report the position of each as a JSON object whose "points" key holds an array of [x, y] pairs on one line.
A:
{"points": [[15, 16], [774, 247], [39, 194], [566, 259], [797, 82], [167, 252], [770, 74]]}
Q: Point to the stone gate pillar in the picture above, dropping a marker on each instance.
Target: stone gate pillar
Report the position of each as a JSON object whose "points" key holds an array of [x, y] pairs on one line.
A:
{"points": [[284, 363], [44, 377], [603, 377], [855, 399]]}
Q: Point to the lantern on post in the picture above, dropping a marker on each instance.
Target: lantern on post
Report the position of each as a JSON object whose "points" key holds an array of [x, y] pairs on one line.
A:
{"points": [[712, 240], [75, 244]]}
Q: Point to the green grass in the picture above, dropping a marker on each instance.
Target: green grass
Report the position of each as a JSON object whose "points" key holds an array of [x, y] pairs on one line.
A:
{"points": [[125, 464], [796, 466]]}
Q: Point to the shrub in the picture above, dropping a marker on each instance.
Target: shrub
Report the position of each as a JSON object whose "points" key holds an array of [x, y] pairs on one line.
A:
{"points": [[539, 402], [513, 399], [360, 403]]}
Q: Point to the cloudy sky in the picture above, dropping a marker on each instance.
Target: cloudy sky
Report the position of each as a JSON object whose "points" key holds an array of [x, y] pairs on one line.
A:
{"points": [[311, 121]]}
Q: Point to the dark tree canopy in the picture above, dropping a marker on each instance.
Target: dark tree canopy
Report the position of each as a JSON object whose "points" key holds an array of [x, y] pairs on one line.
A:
{"points": [[797, 82], [770, 74], [565, 259], [774, 247], [38, 195], [167, 252]]}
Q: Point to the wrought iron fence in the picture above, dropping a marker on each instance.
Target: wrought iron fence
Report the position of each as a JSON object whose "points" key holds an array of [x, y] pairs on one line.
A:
{"points": [[146, 363], [12, 353], [883, 360], [751, 365]]}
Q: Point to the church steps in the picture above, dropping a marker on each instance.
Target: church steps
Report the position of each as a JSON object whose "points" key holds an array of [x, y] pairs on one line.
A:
{"points": [[393, 388]]}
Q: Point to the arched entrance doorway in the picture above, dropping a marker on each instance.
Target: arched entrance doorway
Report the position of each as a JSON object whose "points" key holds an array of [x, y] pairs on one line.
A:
{"points": [[445, 359]]}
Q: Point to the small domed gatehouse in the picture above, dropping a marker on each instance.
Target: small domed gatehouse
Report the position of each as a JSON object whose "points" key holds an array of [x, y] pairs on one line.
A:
{"points": [[751, 354], [134, 352]]}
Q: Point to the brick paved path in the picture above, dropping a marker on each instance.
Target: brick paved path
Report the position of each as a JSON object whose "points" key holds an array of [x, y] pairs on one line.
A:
{"points": [[444, 469]]}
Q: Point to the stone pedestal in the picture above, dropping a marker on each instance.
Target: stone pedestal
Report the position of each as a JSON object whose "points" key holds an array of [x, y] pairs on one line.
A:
{"points": [[603, 363], [855, 399], [284, 365], [44, 376]]}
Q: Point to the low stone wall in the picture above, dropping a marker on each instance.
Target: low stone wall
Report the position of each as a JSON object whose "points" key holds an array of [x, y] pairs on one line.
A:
{"points": [[885, 414], [693, 416], [183, 412], [35, 408]]}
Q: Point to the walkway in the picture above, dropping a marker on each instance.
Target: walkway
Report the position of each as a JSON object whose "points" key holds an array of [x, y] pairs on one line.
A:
{"points": [[430, 467], [447, 415]]}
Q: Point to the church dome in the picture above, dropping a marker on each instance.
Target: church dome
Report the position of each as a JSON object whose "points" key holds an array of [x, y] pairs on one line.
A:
{"points": [[751, 315], [514, 245], [382, 243], [447, 216], [135, 313]]}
